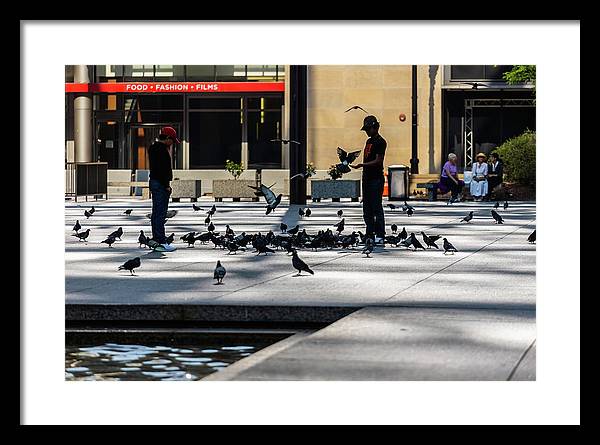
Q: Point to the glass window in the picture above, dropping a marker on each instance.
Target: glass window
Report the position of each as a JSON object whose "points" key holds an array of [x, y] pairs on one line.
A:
{"points": [[138, 72], [157, 101], [108, 73], [230, 72], [466, 72], [214, 137], [170, 73], [152, 116], [200, 73], [496, 71], [216, 103], [69, 73], [262, 103], [262, 127]]}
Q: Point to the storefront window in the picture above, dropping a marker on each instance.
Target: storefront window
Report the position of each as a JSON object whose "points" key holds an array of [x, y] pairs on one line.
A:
{"points": [[478, 72], [262, 127], [200, 73], [214, 137], [109, 73]]}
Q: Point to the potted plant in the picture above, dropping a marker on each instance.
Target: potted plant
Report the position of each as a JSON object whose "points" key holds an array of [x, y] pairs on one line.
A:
{"points": [[335, 188], [233, 188]]}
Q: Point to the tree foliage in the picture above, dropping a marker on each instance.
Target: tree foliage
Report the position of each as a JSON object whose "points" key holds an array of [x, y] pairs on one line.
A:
{"points": [[518, 155]]}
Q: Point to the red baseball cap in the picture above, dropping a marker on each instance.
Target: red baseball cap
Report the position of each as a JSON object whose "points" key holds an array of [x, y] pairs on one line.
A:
{"points": [[170, 131]]}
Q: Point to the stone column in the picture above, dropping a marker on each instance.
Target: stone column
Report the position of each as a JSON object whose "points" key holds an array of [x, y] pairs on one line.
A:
{"points": [[82, 118]]}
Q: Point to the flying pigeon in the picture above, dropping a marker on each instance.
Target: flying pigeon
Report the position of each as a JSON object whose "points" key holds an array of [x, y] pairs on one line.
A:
{"points": [[285, 141], [142, 239], [340, 225], [131, 264], [109, 240], [283, 227], [300, 212], [272, 200], [497, 217], [307, 212], [304, 175], [300, 265], [468, 218], [346, 159], [77, 226], [340, 213], [448, 247], [430, 240], [505, 205], [117, 233], [356, 107], [394, 228], [83, 235], [219, 273], [531, 238], [195, 207], [127, 212], [369, 243]]}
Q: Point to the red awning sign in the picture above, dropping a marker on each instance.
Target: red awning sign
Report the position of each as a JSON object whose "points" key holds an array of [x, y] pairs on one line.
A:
{"points": [[175, 87]]}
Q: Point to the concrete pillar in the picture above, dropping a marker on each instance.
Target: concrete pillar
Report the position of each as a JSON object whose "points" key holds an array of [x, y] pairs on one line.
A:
{"points": [[82, 107]]}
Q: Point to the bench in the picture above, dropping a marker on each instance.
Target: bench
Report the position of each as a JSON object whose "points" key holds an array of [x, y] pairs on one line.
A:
{"points": [[141, 184], [432, 189]]}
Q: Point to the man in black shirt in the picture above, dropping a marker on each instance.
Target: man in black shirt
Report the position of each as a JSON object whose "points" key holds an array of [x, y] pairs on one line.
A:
{"points": [[373, 180], [161, 174]]}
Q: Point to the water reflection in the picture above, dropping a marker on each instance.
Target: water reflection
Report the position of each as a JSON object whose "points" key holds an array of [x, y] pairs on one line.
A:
{"points": [[114, 361]]}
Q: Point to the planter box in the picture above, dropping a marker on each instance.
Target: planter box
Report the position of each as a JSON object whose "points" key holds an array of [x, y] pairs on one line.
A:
{"points": [[186, 188], [233, 188], [335, 189]]}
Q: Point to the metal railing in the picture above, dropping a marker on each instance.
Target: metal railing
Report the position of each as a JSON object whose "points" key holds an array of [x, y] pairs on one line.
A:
{"points": [[86, 179]]}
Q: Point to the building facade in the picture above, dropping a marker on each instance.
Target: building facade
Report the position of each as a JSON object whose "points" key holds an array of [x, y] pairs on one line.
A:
{"points": [[114, 112]]}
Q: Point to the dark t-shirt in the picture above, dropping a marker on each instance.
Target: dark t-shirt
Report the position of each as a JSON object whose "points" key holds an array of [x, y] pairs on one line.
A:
{"points": [[374, 146], [160, 163]]}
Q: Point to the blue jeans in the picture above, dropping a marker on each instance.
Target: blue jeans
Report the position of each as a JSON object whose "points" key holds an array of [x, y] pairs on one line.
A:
{"points": [[160, 205], [372, 191]]}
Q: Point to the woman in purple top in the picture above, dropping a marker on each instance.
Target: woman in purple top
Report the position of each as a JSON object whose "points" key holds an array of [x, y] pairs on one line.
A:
{"points": [[449, 180]]}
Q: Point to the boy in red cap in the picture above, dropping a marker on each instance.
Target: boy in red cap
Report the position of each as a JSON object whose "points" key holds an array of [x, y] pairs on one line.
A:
{"points": [[161, 174]]}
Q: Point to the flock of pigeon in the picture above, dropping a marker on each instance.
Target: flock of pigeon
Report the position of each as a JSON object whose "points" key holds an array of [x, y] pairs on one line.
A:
{"points": [[288, 239]]}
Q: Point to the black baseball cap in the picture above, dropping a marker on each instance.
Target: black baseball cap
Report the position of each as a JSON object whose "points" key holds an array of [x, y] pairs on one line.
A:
{"points": [[370, 121]]}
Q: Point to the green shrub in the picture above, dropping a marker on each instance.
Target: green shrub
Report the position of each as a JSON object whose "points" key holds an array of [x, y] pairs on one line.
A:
{"points": [[518, 155], [334, 173], [234, 168]]}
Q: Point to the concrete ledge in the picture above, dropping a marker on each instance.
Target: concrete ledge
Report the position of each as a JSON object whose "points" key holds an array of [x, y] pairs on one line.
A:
{"points": [[195, 312]]}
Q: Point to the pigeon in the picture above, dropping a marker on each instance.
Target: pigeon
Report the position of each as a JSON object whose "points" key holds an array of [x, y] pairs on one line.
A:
{"points": [[307, 212], [369, 243], [83, 235], [430, 240], [340, 213], [189, 238], [475, 85], [531, 238], [77, 226], [142, 239], [234, 247], [505, 205], [356, 107], [212, 210], [285, 141], [392, 206], [211, 227], [170, 238], [403, 235], [468, 218], [127, 212], [87, 214], [207, 220], [92, 210], [415, 242], [346, 159], [300, 265], [130, 265], [496, 205], [394, 228], [117, 233], [300, 212], [497, 217], [219, 273], [409, 212], [407, 206], [170, 214], [264, 249], [340, 225], [283, 227], [195, 207], [448, 247], [304, 175], [272, 200], [109, 240], [294, 230], [229, 231], [203, 237]]}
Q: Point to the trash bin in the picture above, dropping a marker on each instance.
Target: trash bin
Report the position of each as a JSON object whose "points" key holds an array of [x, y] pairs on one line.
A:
{"points": [[397, 182]]}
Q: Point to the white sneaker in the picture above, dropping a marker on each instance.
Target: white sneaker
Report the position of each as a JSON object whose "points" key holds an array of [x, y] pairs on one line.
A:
{"points": [[378, 240]]}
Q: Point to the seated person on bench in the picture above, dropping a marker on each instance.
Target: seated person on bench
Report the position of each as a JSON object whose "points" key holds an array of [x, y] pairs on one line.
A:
{"points": [[449, 179]]}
